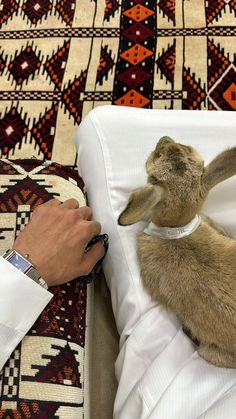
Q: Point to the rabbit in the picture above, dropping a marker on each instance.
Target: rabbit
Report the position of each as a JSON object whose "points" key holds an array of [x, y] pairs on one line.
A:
{"points": [[194, 276]]}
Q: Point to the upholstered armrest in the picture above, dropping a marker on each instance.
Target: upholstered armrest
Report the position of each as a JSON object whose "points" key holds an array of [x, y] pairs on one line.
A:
{"points": [[48, 372]]}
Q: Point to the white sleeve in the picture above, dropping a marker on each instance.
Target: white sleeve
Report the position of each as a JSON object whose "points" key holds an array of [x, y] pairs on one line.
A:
{"points": [[21, 302]]}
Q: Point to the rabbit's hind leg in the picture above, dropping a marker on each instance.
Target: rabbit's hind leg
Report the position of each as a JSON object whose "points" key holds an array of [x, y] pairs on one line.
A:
{"points": [[217, 356]]}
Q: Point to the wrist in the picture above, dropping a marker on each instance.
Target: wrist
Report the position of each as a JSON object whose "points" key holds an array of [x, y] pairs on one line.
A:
{"points": [[24, 265]]}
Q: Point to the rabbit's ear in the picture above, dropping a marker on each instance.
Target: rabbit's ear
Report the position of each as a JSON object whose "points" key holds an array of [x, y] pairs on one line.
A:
{"points": [[220, 169], [164, 140], [140, 203]]}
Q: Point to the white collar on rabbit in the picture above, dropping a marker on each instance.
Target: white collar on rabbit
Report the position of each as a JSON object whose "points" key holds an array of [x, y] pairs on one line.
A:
{"points": [[170, 233]]}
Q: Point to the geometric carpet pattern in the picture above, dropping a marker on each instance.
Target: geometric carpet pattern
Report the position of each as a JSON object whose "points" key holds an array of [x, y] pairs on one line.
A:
{"points": [[45, 376], [61, 58]]}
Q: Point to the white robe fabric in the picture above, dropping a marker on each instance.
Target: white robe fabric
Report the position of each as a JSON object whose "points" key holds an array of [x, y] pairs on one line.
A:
{"points": [[21, 302], [159, 371]]}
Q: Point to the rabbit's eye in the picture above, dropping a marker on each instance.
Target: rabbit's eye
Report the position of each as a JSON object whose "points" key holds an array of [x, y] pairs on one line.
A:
{"points": [[158, 154]]}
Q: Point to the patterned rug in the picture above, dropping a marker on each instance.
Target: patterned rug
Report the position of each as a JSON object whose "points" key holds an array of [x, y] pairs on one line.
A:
{"points": [[61, 58]]}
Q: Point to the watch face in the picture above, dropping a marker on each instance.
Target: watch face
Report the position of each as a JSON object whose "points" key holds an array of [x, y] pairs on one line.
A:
{"points": [[19, 262]]}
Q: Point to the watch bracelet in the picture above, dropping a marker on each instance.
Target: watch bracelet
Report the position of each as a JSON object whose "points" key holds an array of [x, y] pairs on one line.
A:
{"points": [[32, 272]]}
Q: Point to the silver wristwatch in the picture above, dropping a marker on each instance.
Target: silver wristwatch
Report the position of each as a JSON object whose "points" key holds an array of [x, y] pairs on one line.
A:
{"points": [[24, 265]]}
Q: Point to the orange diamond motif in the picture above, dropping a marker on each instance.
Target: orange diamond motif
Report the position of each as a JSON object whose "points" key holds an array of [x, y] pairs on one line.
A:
{"points": [[132, 98], [136, 54], [230, 95], [138, 13]]}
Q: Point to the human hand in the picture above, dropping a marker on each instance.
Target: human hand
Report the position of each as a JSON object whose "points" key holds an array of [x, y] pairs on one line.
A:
{"points": [[56, 238]]}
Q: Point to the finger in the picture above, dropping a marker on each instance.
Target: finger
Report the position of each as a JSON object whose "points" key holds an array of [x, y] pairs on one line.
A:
{"points": [[85, 213], [93, 229], [70, 204], [52, 203], [87, 230], [94, 254]]}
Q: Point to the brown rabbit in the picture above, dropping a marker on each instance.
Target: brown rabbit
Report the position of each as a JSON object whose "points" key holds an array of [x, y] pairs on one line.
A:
{"points": [[195, 276]]}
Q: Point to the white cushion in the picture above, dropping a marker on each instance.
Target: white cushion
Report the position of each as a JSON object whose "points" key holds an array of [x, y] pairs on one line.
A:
{"points": [[114, 143]]}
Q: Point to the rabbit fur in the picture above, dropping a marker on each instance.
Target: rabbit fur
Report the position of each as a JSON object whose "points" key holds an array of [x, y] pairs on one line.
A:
{"points": [[194, 276]]}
